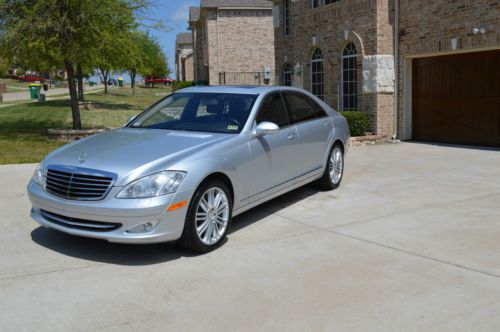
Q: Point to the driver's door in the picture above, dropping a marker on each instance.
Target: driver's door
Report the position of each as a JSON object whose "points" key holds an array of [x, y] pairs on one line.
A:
{"points": [[273, 157]]}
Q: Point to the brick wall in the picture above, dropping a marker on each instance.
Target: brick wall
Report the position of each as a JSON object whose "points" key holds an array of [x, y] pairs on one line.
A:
{"points": [[232, 40], [426, 28], [369, 26]]}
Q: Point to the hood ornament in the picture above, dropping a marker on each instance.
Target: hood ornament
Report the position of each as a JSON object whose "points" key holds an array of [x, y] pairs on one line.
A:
{"points": [[82, 158]]}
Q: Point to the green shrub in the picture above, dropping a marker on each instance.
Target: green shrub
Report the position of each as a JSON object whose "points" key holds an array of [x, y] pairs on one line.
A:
{"points": [[358, 122], [182, 85]]}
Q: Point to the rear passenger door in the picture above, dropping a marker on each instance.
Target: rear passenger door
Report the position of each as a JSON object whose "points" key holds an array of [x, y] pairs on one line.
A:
{"points": [[314, 127]]}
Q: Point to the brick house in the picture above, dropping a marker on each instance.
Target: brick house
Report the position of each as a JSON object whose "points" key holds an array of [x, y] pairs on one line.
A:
{"points": [[184, 65], [233, 41], [447, 66]]}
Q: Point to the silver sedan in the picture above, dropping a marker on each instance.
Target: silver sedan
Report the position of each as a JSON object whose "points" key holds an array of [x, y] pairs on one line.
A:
{"points": [[184, 167]]}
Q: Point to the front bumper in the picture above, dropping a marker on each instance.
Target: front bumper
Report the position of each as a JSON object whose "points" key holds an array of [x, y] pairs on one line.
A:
{"points": [[129, 213]]}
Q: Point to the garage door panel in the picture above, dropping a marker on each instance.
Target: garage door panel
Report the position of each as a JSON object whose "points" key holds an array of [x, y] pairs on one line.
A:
{"points": [[456, 99]]}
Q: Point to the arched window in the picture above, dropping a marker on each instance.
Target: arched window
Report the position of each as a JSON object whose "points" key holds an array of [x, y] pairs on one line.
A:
{"points": [[349, 84], [287, 74], [317, 85]]}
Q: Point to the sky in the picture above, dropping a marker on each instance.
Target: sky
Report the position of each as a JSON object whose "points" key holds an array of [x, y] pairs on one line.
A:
{"points": [[174, 14]]}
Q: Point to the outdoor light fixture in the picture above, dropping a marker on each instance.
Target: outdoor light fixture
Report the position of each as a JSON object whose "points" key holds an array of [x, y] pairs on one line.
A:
{"points": [[482, 29], [297, 70], [346, 34], [454, 43]]}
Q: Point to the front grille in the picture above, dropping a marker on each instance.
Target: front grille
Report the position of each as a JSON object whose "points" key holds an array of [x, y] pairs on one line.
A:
{"points": [[86, 225], [78, 183]]}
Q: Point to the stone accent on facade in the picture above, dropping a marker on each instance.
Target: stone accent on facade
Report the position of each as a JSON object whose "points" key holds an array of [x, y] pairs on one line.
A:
{"points": [[378, 74]]}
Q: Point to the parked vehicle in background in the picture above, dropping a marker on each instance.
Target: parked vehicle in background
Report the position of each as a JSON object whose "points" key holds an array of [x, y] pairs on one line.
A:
{"points": [[31, 78], [154, 80], [184, 167]]}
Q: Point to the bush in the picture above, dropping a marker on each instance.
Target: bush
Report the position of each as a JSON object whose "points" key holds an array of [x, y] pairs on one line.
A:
{"points": [[358, 122], [182, 85]]}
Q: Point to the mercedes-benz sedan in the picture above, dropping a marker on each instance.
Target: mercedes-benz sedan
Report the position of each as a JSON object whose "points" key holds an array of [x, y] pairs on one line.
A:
{"points": [[184, 167]]}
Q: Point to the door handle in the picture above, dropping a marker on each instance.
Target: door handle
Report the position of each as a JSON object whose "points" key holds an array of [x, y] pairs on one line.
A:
{"points": [[326, 123], [292, 136]]}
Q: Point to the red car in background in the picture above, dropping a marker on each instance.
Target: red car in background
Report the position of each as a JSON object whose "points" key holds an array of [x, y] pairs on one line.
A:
{"points": [[155, 80], [30, 78]]}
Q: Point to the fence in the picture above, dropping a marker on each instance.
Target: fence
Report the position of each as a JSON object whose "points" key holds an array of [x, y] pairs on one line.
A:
{"points": [[246, 78]]}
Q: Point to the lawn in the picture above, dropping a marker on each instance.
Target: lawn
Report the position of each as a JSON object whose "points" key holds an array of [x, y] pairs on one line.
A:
{"points": [[23, 127], [14, 85]]}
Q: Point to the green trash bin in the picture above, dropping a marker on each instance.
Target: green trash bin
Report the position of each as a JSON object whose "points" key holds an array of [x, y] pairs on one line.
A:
{"points": [[35, 90], [120, 81]]}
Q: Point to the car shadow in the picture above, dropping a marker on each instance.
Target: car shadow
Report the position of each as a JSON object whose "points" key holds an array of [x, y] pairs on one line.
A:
{"points": [[149, 254]]}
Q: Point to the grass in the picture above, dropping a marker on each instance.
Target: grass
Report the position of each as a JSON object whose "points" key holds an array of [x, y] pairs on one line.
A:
{"points": [[23, 127]]}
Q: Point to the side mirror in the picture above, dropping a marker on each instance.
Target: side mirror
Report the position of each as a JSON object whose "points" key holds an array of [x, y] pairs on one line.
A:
{"points": [[132, 118], [265, 128]]}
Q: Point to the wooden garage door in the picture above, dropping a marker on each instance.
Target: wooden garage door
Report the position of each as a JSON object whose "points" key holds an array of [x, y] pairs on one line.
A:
{"points": [[456, 98]]}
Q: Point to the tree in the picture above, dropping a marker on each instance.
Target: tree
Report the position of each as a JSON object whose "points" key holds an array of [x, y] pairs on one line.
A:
{"points": [[63, 33], [155, 61], [145, 57]]}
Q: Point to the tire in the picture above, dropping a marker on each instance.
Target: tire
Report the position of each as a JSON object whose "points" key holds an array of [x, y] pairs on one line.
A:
{"points": [[334, 170], [216, 219]]}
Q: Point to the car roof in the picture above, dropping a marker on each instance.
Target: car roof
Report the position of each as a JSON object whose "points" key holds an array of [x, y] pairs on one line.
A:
{"points": [[238, 89]]}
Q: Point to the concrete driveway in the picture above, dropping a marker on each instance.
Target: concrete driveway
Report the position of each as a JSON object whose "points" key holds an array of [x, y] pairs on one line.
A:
{"points": [[410, 242]]}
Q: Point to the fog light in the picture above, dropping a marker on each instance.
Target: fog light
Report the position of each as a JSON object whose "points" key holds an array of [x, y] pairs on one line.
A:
{"points": [[143, 228]]}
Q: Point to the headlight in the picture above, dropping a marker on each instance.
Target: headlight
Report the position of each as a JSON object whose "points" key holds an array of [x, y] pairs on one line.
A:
{"points": [[39, 175], [153, 185]]}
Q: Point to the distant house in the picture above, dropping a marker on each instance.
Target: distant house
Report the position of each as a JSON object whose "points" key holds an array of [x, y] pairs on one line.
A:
{"points": [[184, 67], [233, 41]]}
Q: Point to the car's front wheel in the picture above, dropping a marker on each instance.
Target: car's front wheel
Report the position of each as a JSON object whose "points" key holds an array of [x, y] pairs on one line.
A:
{"points": [[208, 217], [334, 170]]}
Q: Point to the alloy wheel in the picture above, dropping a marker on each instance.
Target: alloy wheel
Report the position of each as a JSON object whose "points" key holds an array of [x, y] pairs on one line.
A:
{"points": [[212, 216], [336, 165]]}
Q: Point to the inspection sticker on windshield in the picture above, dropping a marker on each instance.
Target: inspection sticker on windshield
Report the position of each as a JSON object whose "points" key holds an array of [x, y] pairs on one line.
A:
{"points": [[232, 127]]}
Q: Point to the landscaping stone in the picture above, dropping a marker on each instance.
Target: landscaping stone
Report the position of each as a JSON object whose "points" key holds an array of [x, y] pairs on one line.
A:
{"points": [[69, 135]]}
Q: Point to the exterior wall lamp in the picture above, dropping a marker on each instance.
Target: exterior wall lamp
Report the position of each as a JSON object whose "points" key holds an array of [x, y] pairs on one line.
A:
{"points": [[482, 29]]}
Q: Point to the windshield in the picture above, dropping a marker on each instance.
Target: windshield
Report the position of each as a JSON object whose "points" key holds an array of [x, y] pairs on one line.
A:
{"points": [[207, 112]]}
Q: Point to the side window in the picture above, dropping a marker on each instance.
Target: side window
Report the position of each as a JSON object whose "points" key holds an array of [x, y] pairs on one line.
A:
{"points": [[302, 108], [273, 110]]}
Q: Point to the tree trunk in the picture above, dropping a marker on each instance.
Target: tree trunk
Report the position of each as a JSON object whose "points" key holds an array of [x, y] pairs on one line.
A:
{"points": [[133, 74], [79, 75], [75, 110], [105, 74]]}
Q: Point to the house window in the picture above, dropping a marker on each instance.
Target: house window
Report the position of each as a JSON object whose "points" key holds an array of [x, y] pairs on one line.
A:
{"points": [[287, 74], [317, 85], [349, 84], [315, 3], [286, 16], [327, 2]]}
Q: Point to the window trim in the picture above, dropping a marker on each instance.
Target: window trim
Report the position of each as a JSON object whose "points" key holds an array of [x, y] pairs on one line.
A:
{"points": [[322, 60], [342, 72], [286, 17], [288, 107], [286, 66], [284, 105]]}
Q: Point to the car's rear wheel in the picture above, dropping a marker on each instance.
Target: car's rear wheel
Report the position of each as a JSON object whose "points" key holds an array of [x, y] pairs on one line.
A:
{"points": [[334, 170], [208, 218]]}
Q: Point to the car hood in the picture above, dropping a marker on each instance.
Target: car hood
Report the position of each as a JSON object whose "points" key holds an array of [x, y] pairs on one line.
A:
{"points": [[132, 153]]}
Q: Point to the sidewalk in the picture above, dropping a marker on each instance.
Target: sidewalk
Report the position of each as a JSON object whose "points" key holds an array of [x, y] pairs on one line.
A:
{"points": [[25, 95]]}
